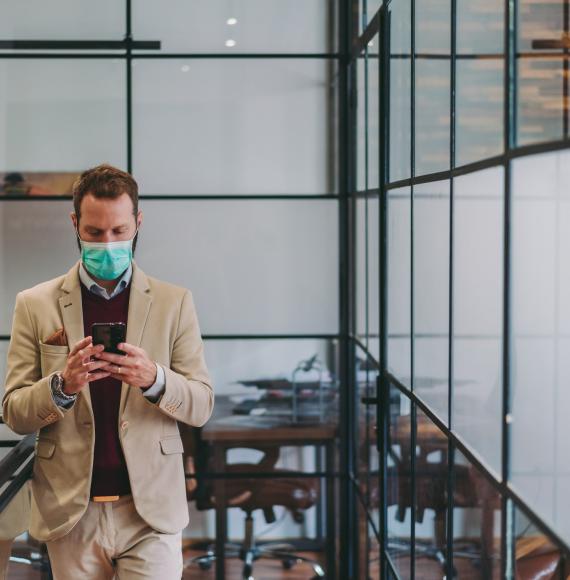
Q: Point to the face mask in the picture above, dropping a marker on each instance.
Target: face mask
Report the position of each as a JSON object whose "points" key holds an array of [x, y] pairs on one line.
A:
{"points": [[107, 260]]}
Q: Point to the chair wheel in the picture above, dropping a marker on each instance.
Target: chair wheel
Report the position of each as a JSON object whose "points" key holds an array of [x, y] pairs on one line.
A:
{"points": [[205, 565], [288, 563]]}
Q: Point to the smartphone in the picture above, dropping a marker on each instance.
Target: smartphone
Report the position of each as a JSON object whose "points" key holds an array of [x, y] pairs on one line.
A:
{"points": [[109, 334]]}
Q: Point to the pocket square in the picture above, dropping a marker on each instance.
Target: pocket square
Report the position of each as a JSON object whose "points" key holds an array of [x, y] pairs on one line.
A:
{"points": [[58, 338]]}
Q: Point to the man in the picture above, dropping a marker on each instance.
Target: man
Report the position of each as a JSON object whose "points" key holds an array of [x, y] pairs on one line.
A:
{"points": [[108, 489]]}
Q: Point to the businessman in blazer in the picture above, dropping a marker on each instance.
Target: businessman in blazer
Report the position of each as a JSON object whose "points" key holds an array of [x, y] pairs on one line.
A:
{"points": [[108, 488]]}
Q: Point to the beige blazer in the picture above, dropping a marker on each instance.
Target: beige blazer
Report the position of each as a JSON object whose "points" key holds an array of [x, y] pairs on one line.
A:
{"points": [[162, 320]]}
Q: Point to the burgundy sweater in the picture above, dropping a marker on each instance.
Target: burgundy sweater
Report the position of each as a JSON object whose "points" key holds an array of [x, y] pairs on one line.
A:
{"points": [[110, 475]]}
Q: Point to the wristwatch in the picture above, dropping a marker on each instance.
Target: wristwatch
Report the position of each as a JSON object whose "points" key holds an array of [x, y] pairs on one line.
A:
{"points": [[57, 388]]}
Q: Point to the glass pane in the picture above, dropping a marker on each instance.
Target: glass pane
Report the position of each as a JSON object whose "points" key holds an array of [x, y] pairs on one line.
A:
{"points": [[246, 270], [399, 285], [361, 145], [373, 127], [60, 116], [478, 312], [479, 110], [476, 523], [539, 23], [206, 127], [63, 20], [541, 107], [431, 295], [367, 273], [433, 26], [400, 87], [431, 499], [480, 26], [432, 115], [252, 25], [399, 484], [536, 556], [541, 327]]}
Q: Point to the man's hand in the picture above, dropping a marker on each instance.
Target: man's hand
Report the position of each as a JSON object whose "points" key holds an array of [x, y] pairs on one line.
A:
{"points": [[134, 368], [79, 369]]}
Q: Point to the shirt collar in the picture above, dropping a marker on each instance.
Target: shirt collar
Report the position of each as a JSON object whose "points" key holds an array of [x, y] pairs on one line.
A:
{"points": [[92, 286]]}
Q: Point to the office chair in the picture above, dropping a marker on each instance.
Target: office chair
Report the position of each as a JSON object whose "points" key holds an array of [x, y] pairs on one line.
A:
{"points": [[250, 494]]}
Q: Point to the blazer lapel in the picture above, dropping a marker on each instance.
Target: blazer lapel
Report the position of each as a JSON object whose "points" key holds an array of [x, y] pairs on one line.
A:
{"points": [[140, 301], [72, 315]]}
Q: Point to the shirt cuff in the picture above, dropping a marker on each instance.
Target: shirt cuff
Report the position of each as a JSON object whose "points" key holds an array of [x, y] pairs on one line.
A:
{"points": [[157, 389]]}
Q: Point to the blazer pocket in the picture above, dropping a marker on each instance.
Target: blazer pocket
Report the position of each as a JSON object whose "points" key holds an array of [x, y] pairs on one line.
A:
{"points": [[53, 358], [45, 448], [53, 349], [171, 445]]}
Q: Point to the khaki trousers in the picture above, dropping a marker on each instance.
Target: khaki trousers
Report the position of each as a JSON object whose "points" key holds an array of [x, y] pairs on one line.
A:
{"points": [[112, 541]]}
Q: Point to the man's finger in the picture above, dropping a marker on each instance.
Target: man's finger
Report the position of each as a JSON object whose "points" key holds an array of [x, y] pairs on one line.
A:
{"points": [[96, 376], [118, 359], [94, 365], [79, 345], [129, 348]]}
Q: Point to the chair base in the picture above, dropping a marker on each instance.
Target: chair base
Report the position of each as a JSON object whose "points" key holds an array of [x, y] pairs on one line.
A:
{"points": [[270, 550]]}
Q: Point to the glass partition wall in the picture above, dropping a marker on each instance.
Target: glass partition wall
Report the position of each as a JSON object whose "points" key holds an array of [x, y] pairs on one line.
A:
{"points": [[467, 253], [368, 203], [226, 114]]}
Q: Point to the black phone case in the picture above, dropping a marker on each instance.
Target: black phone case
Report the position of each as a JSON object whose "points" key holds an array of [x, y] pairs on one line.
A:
{"points": [[110, 334]]}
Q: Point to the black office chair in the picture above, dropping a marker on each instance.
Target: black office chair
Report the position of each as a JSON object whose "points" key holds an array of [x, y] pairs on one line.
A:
{"points": [[250, 494]]}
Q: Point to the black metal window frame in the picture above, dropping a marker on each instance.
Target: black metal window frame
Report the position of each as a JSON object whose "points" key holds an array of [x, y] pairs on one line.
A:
{"points": [[379, 24], [123, 50]]}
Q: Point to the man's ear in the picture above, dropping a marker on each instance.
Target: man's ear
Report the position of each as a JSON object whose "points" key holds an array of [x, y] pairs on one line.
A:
{"points": [[139, 219], [73, 217]]}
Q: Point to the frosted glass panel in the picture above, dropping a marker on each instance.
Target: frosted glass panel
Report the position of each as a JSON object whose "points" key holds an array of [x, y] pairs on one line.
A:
{"points": [[541, 334], [259, 267], [367, 269], [479, 131], [432, 115], [61, 115], [234, 126], [431, 295], [62, 20], [252, 25], [399, 284], [478, 299], [263, 267]]}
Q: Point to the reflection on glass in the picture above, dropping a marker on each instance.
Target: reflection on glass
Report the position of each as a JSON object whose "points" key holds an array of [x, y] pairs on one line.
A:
{"points": [[433, 26], [541, 331], [399, 284], [399, 483], [479, 110], [541, 107], [478, 312], [36, 183], [431, 499], [432, 115], [476, 523], [431, 295], [253, 26], [540, 24], [480, 26], [234, 126], [400, 87], [535, 555]]}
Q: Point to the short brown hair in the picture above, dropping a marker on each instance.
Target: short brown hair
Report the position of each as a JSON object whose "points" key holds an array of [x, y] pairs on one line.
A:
{"points": [[105, 181]]}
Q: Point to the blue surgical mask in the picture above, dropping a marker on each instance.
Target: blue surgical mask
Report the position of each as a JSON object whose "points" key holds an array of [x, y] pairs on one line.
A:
{"points": [[107, 260]]}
